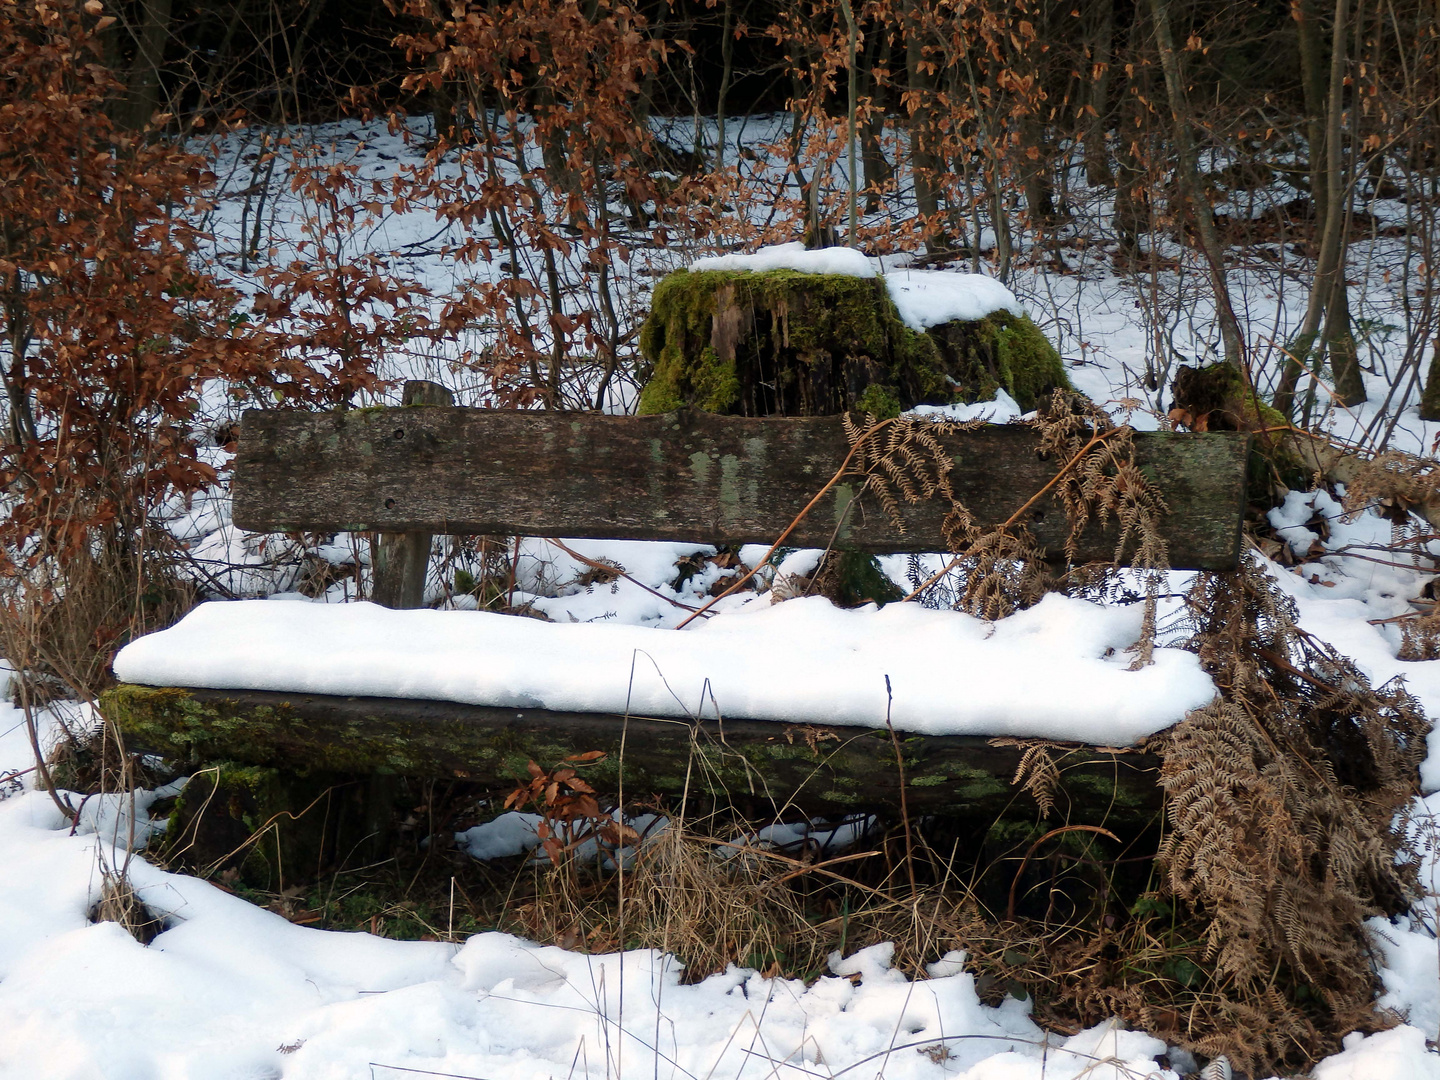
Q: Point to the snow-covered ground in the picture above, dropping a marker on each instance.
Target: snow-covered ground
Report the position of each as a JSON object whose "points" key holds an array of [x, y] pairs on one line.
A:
{"points": [[228, 990], [232, 991]]}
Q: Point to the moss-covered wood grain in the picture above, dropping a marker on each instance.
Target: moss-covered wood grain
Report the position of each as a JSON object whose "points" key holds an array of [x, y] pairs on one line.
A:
{"points": [[822, 769], [687, 476]]}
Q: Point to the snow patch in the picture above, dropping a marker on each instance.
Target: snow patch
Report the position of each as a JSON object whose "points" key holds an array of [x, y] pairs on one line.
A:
{"points": [[924, 298], [1397, 1054], [927, 298]]}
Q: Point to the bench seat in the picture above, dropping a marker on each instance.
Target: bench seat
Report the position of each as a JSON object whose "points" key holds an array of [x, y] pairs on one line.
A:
{"points": [[784, 699]]}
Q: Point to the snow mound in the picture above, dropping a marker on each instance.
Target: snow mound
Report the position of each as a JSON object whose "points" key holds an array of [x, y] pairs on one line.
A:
{"points": [[1058, 670], [924, 298], [793, 256], [927, 298], [230, 990]]}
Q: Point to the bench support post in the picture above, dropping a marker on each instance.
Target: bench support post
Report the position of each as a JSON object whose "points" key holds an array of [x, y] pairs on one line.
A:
{"points": [[399, 561], [398, 566]]}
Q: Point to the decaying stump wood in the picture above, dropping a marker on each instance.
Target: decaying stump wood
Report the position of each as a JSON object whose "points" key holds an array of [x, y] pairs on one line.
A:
{"points": [[787, 343], [820, 769], [1215, 398], [686, 476]]}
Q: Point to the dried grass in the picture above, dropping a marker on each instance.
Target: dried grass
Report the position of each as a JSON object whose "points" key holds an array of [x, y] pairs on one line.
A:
{"points": [[120, 904]]}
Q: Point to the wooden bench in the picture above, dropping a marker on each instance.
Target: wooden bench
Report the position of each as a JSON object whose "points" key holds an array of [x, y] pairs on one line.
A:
{"points": [[408, 473]]}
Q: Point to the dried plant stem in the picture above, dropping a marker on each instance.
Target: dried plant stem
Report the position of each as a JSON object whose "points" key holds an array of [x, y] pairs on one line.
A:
{"points": [[1095, 440], [904, 807], [1010, 903]]}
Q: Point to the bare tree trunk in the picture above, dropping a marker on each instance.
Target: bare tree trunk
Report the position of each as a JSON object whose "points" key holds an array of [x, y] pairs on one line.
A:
{"points": [[852, 213], [1036, 153], [1097, 159], [142, 83], [1329, 195], [1430, 400], [1189, 183], [1132, 212], [1037, 182], [925, 164], [878, 170], [727, 72], [645, 99]]}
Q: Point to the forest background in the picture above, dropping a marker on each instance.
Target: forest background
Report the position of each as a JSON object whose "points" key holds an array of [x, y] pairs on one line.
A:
{"points": [[570, 138]]}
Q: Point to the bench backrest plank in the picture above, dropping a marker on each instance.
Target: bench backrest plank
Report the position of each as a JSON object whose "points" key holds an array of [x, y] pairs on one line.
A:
{"points": [[686, 476]]}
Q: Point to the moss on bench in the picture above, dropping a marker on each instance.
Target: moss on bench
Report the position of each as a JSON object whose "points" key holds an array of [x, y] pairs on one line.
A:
{"points": [[822, 769]]}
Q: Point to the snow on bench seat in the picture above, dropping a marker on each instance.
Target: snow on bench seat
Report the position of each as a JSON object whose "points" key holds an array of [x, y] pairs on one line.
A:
{"points": [[1058, 670]]}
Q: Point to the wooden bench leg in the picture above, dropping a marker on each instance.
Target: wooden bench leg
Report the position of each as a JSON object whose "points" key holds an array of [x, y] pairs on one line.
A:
{"points": [[399, 561]]}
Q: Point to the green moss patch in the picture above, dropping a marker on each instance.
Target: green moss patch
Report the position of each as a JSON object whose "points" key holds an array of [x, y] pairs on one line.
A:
{"points": [[315, 740], [1003, 351]]}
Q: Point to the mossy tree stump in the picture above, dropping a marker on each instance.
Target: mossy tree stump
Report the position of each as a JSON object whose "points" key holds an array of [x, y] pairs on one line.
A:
{"points": [[787, 343], [1215, 397]]}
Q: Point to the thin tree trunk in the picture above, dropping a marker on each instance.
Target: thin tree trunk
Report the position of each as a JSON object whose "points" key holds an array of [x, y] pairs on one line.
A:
{"points": [[925, 165], [877, 167], [1036, 154], [852, 104], [1328, 296], [1132, 213], [1189, 184], [1097, 158], [645, 99], [1037, 182], [142, 91], [727, 72]]}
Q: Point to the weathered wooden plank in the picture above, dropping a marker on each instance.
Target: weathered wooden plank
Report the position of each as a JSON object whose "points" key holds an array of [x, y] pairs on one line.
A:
{"points": [[687, 476], [817, 768]]}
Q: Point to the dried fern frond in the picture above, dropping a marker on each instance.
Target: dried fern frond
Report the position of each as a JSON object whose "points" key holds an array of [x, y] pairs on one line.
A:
{"points": [[1005, 572], [1001, 568], [907, 463], [1283, 797], [1039, 776], [1106, 484], [1420, 637], [1395, 483]]}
